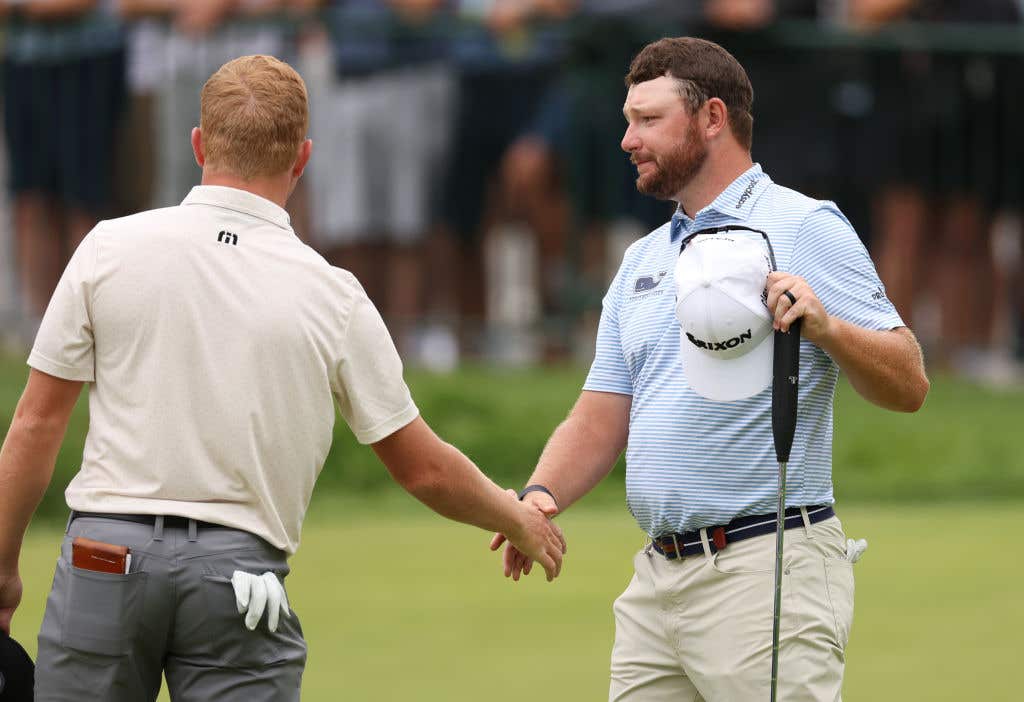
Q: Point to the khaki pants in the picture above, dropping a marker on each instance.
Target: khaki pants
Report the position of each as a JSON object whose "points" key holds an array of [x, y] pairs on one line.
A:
{"points": [[699, 629]]}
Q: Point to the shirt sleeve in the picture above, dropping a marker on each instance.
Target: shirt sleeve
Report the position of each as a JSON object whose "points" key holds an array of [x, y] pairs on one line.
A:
{"points": [[371, 392], [64, 345], [832, 259], [609, 371]]}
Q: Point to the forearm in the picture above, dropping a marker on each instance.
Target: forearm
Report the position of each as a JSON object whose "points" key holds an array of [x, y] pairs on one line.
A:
{"points": [[885, 367], [444, 479], [451, 485], [27, 459], [577, 457]]}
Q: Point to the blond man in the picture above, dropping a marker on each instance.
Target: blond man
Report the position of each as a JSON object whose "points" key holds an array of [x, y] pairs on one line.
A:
{"points": [[215, 344]]}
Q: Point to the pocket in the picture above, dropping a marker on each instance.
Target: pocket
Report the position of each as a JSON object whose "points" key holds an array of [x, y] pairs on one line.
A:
{"points": [[748, 557], [232, 644], [101, 610], [840, 589]]}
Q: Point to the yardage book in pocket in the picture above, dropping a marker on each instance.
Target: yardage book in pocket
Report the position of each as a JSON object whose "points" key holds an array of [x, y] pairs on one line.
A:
{"points": [[99, 556]]}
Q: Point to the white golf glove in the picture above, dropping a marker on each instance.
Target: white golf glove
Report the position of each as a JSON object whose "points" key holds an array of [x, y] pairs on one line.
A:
{"points": [[855, 549], [254, 593]]}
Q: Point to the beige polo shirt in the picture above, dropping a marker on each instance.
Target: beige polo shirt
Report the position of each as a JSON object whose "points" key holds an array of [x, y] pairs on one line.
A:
{"points": [[216, 344]]}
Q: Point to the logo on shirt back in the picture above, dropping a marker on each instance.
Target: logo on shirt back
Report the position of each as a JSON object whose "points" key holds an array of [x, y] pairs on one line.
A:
{"points": [[227, 238]]}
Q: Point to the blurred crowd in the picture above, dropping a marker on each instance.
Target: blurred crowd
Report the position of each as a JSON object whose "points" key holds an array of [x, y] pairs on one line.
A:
{"points": [[466, 158]]}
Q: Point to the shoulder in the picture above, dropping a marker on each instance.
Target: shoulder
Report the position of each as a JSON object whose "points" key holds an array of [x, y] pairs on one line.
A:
{"points": [[159, 216], [808, 215], [344, 279], [339, 287], [136, 226], [779, 201]]}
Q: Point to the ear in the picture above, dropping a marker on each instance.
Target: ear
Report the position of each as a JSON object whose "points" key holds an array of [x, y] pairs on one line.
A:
{"points": [[717, 117], [197, 146], [305, 151]]}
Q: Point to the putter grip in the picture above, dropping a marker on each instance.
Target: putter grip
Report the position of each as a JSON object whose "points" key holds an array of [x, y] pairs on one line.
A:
{"points": [[785, 381]]}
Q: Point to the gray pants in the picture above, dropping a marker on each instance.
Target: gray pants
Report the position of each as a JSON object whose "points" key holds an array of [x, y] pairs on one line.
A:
{"points": [[109, 637]]}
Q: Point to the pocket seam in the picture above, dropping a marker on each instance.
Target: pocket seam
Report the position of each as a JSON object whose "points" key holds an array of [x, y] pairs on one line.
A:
{"points": [[829, 563]]}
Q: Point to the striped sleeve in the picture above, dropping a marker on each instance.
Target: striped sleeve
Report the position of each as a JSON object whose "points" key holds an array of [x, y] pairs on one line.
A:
{"points": [[832, 259], [609, 372]]}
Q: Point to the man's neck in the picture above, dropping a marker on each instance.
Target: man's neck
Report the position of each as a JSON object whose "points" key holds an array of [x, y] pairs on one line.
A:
{"points": [[713, 179], [275, 189]]}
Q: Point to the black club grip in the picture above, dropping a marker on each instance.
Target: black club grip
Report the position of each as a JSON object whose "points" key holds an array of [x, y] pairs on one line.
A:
{"points": [[785, 382]]}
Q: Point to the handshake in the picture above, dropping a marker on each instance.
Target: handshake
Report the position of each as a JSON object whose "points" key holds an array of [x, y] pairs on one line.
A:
{"points": [[536, 538], [531, 537]]}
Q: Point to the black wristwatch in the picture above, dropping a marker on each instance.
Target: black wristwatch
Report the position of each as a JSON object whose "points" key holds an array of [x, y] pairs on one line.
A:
{"points": [[537, 488]]}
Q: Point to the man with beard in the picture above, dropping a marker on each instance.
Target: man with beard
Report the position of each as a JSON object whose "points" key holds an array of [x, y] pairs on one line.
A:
{"points": [[682, 371]]}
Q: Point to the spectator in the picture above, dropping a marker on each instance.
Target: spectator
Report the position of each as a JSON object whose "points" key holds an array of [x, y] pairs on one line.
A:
{"points": [[507, 55], [64, 62], [1006, 363], [198, 37], [385, 93], [935, 156]]}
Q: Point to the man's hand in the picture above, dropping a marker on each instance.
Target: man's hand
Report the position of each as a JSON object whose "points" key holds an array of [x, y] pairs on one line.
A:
{"points": [[10, 598], [536, 538], [516, 562], [885, 366], [254, 593], [817, 323]]}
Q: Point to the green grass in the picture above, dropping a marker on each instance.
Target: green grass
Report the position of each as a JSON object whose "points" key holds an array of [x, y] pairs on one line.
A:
{"points": [[966, 443], [400, 605]]}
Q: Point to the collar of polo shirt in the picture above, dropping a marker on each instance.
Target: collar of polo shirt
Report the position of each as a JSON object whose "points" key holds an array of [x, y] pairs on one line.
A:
{"points": [[239, 201], [735, 201]]}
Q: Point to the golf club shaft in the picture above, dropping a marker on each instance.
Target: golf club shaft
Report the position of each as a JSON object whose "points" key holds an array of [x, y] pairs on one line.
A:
{"points": [[785, 378], [777, 609]]}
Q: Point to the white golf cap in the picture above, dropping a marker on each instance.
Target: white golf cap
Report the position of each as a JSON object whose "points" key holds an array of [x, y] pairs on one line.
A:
{"points": [[725, 334]]}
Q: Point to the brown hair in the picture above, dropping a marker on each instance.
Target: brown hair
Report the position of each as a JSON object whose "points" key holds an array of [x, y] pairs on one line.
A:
{"points": [[254, 114], [702, 70]]}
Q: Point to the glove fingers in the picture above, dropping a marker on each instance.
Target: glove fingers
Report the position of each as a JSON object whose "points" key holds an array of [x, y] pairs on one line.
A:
{"points": [[855, 549], [273, 587], [242, 584], [257, 603]]}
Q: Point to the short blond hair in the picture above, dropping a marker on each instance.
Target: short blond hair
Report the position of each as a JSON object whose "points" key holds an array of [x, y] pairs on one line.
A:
{"points": [[254, 114]]}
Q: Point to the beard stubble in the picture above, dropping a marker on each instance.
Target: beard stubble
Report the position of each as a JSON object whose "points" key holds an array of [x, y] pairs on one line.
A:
{"points": [[676, 168]]}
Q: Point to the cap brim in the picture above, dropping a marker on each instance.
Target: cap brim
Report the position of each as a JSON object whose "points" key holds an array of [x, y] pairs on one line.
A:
{"points": [[727, 380]]}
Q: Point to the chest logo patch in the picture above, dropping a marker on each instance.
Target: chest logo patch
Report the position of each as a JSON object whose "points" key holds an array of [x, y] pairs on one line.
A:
{"points": [[648, 282]]}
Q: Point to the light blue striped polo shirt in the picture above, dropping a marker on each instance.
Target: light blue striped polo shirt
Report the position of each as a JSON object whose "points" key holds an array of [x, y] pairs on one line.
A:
{"points": [[692, 462]]}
